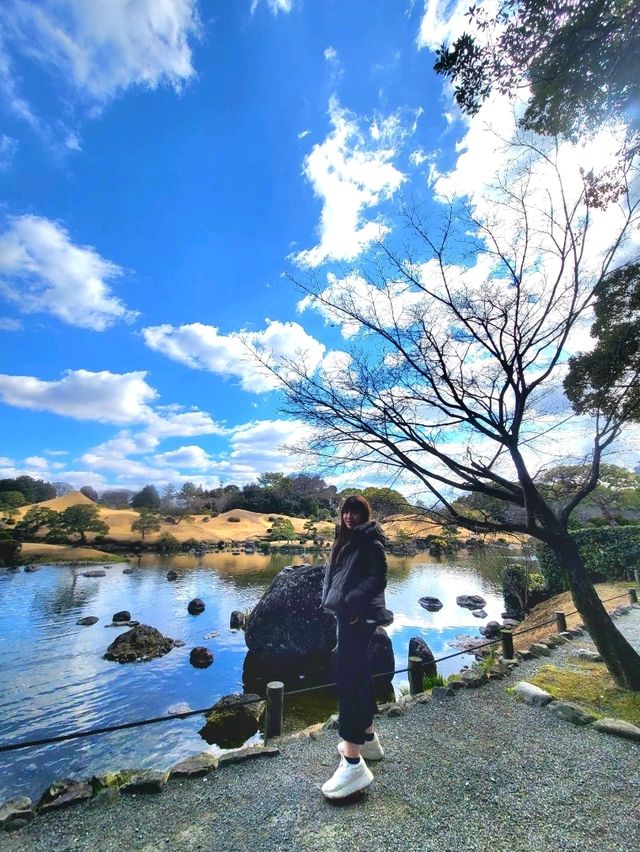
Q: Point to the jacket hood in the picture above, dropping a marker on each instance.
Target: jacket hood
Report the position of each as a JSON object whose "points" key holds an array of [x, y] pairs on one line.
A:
{"points": [[371, 530]]}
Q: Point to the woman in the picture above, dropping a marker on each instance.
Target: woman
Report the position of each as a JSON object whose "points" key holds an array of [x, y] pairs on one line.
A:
{"points": [[353, 591]]}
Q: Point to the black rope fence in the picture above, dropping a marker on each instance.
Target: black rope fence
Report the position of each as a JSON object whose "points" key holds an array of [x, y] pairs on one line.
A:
{"points": [[108, 729]]}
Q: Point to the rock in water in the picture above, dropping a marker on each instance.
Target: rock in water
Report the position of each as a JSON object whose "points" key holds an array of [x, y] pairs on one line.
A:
{"points": [[237, 620], [196, 606], [123, 615], [87, 620], [287, 622], [139, 643], [200, 657], [471, 601], [231, 722], [419, 648], [381, 659], [432, 604]]}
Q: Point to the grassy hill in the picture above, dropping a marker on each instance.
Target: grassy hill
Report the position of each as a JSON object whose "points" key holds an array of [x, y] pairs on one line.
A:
{"points": [[250, 525]]}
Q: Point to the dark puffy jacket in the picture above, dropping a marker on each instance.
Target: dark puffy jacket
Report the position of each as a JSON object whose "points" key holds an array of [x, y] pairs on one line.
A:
{"points": [[355, 584]]}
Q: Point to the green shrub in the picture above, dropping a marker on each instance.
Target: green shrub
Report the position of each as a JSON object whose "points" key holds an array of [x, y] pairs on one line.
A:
{"points": [[168, 543], [609, 553], [522, 588], [9, 550], [57, 537], [233, 520], [430, 680]]}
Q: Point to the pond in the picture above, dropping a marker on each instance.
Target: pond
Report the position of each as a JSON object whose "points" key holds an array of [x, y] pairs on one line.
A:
{"points": [[53, 679]]}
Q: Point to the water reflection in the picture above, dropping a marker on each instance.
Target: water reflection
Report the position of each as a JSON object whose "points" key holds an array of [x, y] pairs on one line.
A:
{"points": [[53, 678]]}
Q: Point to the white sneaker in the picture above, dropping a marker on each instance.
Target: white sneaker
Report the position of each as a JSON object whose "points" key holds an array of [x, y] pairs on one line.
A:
{"points": [[348, 778], [369, 750]]}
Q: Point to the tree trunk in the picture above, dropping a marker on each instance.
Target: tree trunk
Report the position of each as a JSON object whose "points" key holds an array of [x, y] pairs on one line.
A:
{"points": [[622, 660]]}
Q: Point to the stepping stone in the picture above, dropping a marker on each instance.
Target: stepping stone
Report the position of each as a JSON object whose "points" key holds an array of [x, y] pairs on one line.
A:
{"points": [[531, 694], [618, 728], [587, 654], [539, 650], [571, 712], [194, 766], [145, 781]]}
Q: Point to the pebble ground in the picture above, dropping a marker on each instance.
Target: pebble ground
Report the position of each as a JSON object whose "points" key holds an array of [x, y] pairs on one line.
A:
{"points": [[479, 771]]}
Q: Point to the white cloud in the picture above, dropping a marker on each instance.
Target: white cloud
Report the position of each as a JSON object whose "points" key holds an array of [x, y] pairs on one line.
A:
{"points": [[10, 324], [303, 134], [103, 48], [191, 457], [103, 396], [343, 299], [42, 270], [170, 421], [264, 445], [38, 462], [351, 172], [275, 6], [330, 54], [10, 93], [8, 148], [445, 20], [203, 347], [418, 157], [253, 448]]}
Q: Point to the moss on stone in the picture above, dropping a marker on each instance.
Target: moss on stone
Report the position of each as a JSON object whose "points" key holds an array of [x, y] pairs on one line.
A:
{"points": [[590, 685], [111, 779]]}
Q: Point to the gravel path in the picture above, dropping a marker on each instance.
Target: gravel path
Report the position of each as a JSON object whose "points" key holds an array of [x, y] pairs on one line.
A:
{"points": [[478, 771]]}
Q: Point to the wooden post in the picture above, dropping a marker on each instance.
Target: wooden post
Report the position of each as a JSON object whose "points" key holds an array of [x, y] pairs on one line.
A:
{"points": [[507, 643], [273, 716], [633, 595], [561, 621], [636, 574], [415, 675]]}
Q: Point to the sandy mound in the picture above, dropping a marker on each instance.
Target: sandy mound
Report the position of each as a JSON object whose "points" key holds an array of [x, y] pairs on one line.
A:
{"points": [[58, 504], [41, 552], [251, 525], [415, 525]]}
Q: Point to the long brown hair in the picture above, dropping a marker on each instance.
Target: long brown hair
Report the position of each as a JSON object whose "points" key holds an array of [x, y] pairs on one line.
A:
{"points": [[355, 503]]}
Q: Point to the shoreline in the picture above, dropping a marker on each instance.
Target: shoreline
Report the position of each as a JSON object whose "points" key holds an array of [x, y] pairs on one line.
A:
{"points": [[468, 770]]}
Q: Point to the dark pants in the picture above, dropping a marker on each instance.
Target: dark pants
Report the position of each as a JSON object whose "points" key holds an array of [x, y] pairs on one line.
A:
{"points": [[356, 701]]}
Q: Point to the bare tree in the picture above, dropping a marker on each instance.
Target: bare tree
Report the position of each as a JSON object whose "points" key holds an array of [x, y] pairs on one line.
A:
{"points": [[459, 341]]}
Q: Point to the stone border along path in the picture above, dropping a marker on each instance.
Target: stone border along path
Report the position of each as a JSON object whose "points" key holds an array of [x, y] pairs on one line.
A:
{"points": [[464, 770]]}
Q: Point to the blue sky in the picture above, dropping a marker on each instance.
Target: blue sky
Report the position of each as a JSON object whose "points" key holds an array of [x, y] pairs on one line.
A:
{"points": [[162, 164]]}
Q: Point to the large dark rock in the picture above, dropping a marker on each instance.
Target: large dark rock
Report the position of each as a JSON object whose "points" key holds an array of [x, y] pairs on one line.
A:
{"points": [[139, 643], [172, 575], [491, 629], [419, 648], [381, 658], [231, 722], [471, 601], [87, 620], [287, 622]]}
